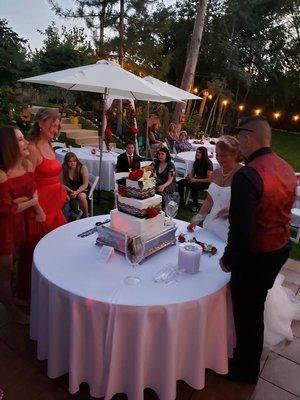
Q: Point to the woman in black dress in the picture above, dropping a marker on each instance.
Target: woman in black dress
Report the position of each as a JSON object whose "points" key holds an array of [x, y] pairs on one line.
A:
{"points": [[165, 173], [199, 178], [76, 181]]}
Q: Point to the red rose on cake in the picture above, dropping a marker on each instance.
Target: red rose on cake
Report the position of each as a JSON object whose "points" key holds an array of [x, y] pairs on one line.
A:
{"points": [[136, 175], [152, 212]]}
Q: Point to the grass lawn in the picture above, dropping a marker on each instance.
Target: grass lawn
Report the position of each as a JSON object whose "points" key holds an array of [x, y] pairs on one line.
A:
{"points": [[287, 145]]}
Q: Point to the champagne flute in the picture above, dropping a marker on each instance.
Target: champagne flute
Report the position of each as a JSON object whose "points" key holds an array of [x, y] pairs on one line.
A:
{"points": [[172, 206], [134, 253]]}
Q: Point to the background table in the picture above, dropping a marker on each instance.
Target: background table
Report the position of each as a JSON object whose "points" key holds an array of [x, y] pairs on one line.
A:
{"points": [[92, 162], [121, 338], [210, 147], [189, 157]]}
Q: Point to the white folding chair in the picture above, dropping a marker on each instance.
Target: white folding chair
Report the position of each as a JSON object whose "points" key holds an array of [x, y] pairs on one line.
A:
{"points": [[93, 181]]}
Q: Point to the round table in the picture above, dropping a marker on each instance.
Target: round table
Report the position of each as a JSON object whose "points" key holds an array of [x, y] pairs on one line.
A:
{"points": [[189, 158], [211, 148], [84, 154], [119, 338]]}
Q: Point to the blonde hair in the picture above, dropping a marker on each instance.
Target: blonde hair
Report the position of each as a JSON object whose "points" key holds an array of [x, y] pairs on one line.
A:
{"points": [[230, 144], [42, 115]]}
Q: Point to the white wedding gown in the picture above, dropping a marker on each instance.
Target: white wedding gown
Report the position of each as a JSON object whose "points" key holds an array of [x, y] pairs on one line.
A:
{"points": [[281, 306]]}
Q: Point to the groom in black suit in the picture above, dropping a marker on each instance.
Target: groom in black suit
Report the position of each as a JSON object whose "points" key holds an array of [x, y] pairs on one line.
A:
{"points": [[129, 159]]}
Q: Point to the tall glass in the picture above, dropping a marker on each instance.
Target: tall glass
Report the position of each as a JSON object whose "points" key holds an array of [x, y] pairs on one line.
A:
{"points": [[172, 206], [134, 253]]}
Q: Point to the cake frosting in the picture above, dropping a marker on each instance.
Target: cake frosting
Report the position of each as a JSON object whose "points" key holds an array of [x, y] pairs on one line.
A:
{"points": [[138, 207], [135, 226]]}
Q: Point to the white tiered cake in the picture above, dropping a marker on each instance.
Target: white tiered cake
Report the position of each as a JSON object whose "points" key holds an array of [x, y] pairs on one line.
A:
{"points": [[138, 207]]}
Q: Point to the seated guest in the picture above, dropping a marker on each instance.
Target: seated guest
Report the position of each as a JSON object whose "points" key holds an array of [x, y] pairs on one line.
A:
{"points": [[165, 173], [182, 143], [129, 159], [155, 137], [76, 181], [199, 178], [172, 135]]}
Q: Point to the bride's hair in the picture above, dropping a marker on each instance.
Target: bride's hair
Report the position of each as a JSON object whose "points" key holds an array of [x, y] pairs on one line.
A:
{"points": [[230, 144]]}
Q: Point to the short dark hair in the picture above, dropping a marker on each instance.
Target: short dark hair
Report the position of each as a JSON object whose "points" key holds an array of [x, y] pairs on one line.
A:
{"points": [[251, 118], [166, 151], [130, 142], [9, 148]]}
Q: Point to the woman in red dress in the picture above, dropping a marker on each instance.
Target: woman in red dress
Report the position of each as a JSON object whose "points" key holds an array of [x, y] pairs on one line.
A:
{"points": [[18, 201], [51, 193]]}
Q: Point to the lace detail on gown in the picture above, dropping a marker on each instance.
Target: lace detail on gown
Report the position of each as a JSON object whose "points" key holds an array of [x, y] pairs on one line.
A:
{"points": [[281, 306]]}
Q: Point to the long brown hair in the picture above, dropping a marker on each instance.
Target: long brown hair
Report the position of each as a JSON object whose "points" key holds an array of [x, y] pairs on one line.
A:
{"points": [[42, 115], [65, 167], [9, 148]]}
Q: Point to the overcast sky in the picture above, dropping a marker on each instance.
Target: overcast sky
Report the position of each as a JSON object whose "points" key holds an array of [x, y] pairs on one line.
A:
{"points": [[27, 16]]}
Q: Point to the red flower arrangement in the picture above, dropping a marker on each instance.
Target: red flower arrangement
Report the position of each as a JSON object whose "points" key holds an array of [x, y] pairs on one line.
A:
{"points": [[134, 130], [152, 212], [108, 131], [207, 248], [136, 175]]}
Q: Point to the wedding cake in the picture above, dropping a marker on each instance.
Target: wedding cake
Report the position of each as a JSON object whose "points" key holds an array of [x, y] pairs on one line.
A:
{"points": [[138, 209]]}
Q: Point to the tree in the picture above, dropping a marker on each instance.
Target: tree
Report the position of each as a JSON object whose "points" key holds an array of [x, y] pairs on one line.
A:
{"points": [[192, 54], [62, 49], [13, 55]]}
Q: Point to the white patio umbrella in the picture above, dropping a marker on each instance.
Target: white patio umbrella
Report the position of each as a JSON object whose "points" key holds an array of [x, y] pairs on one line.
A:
{"points": [[172, 90], [105, 77]]}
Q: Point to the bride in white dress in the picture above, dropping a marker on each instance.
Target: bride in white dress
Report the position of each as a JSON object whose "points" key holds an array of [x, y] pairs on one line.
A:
{"points": [[281, 306]]}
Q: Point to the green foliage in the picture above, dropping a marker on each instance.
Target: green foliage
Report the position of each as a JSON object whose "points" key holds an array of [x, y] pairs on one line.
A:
{"points": [[12, 55], [62, 49]]}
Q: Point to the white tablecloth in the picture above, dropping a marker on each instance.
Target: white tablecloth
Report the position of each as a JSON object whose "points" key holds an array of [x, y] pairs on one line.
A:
{"points": [[210, 147], [189, 157], [92, 162], [121, 338]]}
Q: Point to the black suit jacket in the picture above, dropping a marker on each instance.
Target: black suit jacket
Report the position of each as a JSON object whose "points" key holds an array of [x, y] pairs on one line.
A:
{"points": [[122, 163]]}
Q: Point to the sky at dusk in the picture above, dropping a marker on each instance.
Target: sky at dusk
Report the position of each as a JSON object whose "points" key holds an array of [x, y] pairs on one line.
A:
{"points": [[25, 17]]}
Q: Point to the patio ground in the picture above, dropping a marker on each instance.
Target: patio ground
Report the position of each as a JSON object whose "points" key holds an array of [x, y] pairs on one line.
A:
{"points": [[23, 377]]}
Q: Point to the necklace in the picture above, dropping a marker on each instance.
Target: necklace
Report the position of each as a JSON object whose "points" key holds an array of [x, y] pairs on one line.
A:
{"points": [[228, 173]]}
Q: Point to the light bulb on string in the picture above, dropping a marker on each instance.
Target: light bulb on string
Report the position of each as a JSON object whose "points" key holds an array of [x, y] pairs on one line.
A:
{"points": [[257, 111], [224, 103], [296, 118], [195, 90], [276, 115], [210, 96], [241, 107]]}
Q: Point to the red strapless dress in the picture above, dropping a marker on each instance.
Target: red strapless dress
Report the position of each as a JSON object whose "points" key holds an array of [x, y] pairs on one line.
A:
{"points": [[52, 195], [13, 228]]}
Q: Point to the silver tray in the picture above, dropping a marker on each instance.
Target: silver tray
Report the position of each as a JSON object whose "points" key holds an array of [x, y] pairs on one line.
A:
{"points": [[110, 237]]}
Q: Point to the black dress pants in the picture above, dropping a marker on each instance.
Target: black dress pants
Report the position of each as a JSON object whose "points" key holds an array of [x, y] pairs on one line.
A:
{"points": [[195, 188], [250, 283]]}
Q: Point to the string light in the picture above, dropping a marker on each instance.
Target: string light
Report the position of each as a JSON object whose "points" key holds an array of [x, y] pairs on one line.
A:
{"points": [[296, 118], [241, 107], [210, 96], [257, 111], [276, 115], [225, 102], [195, 90]]}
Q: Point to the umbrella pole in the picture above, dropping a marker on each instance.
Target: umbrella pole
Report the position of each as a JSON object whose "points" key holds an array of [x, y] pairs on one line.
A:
{"points": [[101, 139], [148, 150]]}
